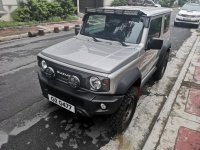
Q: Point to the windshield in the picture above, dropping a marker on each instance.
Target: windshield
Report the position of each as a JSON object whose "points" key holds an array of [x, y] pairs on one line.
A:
{"points": [[123, 28], [191, 7]]}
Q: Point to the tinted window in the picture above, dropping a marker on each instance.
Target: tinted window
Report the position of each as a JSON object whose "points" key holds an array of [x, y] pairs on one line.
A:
{"points": [[114, 27], [155, 28], [166, 23]]}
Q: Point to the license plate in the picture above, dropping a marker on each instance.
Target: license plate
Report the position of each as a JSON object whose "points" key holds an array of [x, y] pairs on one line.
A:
{"points": [[61, 103]]}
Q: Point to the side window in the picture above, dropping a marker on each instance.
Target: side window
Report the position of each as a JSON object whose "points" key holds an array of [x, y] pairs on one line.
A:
{"points": [[166, 23], [155, 28]]}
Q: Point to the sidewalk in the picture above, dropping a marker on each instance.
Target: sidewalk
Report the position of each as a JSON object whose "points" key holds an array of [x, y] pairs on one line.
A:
{"points": [[182, 131]]}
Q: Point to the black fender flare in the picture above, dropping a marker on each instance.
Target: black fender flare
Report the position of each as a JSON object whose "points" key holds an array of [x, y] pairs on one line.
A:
{"points": [[166, 46], [128, 80]]}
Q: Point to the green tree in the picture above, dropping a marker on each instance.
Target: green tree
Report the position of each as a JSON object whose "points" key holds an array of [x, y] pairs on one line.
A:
{"points": [[67, 6], [166, 3], [42, 10], [119, 3]]}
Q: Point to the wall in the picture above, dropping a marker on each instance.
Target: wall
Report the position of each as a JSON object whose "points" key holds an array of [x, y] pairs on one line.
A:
{"points": [[107, 2], [9, 6]]}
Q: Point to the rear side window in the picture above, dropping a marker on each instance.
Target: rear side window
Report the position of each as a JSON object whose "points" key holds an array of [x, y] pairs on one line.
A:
{"points": [[166, 23], [155, 28]]}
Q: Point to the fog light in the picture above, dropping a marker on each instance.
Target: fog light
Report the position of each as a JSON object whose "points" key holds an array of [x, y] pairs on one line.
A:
{"points": [[103, 106]]}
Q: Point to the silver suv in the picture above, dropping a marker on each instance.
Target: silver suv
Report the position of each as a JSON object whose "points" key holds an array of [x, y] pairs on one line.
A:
{"points": [[102, 69]]}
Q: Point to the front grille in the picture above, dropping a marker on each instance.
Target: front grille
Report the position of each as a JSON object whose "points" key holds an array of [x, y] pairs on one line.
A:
{"points": [[62, 74]]}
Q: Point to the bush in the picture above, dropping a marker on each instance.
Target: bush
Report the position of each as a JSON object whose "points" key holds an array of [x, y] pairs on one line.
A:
{"points": [[21, 14], [119, 3], [54, 9], [166, 3], [42, 10], [67, 6]]}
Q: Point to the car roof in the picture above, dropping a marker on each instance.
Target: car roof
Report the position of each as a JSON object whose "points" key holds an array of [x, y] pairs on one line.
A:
{"points": [[147, 10]]}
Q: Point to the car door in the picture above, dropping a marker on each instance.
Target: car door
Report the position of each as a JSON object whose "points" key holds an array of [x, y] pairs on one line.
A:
{"points": [[150, 56]]}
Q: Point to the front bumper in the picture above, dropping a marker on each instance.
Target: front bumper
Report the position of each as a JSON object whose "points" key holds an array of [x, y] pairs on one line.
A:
{"points": [[86, 103], [186, 21]]}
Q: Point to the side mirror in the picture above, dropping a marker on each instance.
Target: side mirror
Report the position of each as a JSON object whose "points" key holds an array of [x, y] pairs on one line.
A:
{"points": [[77, 29], [154, 44]]}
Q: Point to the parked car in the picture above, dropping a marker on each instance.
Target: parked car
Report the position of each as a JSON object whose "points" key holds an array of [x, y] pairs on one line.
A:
{"points": [[102, 70], [189, 14]]}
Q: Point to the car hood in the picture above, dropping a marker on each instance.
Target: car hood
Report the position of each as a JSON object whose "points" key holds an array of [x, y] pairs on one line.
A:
{"points": [[104, 57], [192, 13]]}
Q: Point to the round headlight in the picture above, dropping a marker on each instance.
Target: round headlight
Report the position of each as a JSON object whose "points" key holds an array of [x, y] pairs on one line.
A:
{"points": [[43, 64], [95, 83]]}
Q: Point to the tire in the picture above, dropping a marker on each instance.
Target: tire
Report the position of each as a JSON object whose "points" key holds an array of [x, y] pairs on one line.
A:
{"points": [[161, 69], [120, 120]]}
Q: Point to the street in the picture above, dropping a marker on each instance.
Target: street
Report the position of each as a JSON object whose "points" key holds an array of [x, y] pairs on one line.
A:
{"points": [[29, 121]]}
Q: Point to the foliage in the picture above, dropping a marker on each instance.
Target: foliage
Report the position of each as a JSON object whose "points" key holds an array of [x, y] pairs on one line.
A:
{"points": [[67, 6], [119, 3], [166, 3], [21, 14], [55, 19], [182, 2], [70, 17], [41, 10]]}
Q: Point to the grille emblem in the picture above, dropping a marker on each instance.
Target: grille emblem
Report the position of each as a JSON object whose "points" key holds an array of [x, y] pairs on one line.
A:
{"points": [[72, 80]]}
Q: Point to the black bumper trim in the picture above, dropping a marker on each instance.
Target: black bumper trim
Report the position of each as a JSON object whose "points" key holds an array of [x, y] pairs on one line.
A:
{"points": [[87, 104]]}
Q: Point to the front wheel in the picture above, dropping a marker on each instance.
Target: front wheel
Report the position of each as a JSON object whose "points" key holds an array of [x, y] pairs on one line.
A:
{"points": [[120, 120]]}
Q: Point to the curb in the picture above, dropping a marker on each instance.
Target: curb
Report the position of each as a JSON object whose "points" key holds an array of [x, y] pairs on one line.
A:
{"points": [[154, 137], [12, 37], [25, 35]]}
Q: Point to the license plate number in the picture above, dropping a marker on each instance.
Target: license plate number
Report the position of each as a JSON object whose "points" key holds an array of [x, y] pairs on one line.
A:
{"points": [[61, 103]]}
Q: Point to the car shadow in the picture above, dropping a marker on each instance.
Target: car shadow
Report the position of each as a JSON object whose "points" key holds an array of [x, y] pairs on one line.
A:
{"points": [[62, 130]]}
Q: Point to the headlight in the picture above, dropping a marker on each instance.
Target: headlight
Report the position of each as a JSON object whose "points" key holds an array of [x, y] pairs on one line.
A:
{"points": [[95, 83], [43, 64]]}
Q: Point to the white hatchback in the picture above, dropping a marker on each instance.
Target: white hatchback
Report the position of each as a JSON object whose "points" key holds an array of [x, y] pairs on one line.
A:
{"points": [[189, 15]]}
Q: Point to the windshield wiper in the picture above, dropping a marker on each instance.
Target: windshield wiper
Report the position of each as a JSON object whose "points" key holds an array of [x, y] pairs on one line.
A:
{"points": [[95, 39], [123, 43]]}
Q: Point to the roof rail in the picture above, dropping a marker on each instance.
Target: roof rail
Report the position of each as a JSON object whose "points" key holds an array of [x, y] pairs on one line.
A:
{"points": [[142, 3], [113, 11]]}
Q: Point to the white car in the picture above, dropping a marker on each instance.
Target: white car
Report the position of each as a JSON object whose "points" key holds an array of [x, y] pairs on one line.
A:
{"points": [[189, 15]]}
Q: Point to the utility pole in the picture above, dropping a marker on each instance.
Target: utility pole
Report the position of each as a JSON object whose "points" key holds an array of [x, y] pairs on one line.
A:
{"points": [[77, 4]]}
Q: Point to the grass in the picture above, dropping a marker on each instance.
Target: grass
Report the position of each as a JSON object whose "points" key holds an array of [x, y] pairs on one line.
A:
{"points": [[4, 24]]}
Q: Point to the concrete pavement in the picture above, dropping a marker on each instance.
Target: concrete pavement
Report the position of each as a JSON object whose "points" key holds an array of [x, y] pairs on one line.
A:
{"points": [[182, 131], [166, 130]]}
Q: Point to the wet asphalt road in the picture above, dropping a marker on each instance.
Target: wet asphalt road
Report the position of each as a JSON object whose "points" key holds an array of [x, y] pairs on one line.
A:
{"points": [[20, 96]]}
